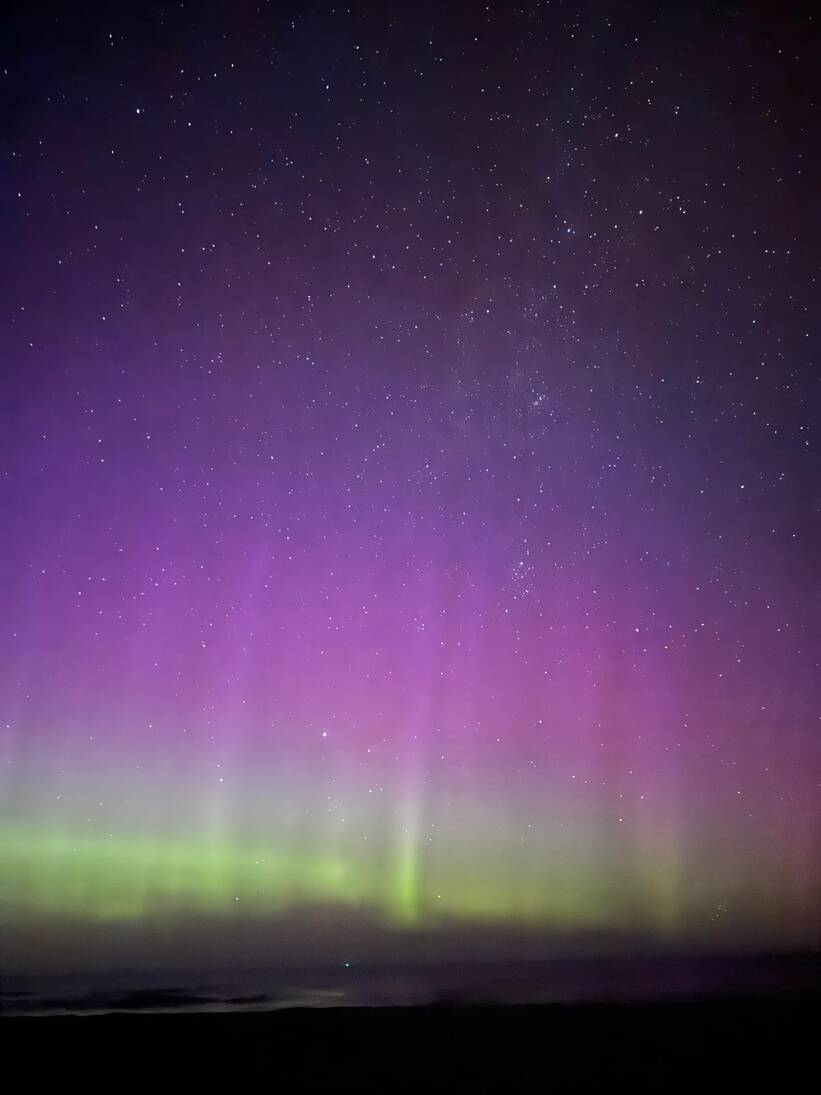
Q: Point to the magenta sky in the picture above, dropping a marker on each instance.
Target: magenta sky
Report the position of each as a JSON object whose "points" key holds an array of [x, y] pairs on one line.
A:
{"points": [[409, 495]]}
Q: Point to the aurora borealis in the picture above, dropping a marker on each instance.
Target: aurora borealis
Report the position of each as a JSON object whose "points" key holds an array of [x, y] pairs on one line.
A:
{"points": [[408, 482]]}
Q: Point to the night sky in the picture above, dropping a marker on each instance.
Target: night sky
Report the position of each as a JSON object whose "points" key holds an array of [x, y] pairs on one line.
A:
{"points": [[409, 481]]}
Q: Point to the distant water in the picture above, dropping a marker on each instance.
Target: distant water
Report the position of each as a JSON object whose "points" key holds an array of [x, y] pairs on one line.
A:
{"points": [[560, 981]]}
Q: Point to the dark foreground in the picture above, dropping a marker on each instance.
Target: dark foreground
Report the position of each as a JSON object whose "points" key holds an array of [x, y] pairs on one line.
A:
{"points": [[520, 1048]]}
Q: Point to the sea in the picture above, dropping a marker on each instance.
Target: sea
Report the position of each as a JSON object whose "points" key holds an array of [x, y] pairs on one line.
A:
{"points": [[563, 980]]}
